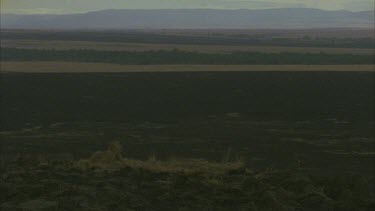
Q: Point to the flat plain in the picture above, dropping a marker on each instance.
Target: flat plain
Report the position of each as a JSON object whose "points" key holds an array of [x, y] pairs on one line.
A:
{"points": [[101, 136], [78, 67], [139, 47], [180, 114]]}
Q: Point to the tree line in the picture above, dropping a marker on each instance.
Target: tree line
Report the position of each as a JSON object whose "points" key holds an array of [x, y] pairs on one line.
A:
{"points": [[181, 57], [202, 39]]}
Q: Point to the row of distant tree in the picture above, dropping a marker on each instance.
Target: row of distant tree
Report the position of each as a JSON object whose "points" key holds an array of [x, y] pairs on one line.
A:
{"points": [[208, 39], [181, 57]]}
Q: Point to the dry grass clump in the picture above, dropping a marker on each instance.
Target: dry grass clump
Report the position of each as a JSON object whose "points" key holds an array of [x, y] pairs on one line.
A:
{"points": [[112, 159]]}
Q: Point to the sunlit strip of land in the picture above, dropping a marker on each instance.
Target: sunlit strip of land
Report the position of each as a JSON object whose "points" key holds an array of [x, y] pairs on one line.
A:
{"points": [[75, 67]]}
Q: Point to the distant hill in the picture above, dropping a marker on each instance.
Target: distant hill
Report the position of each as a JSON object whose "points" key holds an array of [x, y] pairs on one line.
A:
{"points": [[193, 18]]}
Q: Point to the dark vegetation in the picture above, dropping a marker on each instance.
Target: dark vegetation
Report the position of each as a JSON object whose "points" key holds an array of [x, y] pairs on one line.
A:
{"points": [[191, 141], [210, 38], [34, 99], [327, 125], [297, 141], [115, 183], [181, 57]]}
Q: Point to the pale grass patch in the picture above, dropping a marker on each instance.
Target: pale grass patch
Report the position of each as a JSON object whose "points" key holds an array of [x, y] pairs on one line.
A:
{"points": [[112, 159]]}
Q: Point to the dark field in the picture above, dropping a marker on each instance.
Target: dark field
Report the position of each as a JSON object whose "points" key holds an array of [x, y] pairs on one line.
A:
{"points": [[182, 57], [196, 115], [320, 123]]}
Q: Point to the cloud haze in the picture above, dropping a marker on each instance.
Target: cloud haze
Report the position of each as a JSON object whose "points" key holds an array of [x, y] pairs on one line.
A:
{"points": [[75, 6]]}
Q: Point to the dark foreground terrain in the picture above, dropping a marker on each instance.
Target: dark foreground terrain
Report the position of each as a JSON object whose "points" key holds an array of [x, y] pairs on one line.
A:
{"points": [[191, 141]]}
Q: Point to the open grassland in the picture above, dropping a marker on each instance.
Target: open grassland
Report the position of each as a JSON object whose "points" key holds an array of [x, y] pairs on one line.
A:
{"points": [[265, 117], [108, 181], [76, 67], [140, 47], [101, 136], [187, 141]]}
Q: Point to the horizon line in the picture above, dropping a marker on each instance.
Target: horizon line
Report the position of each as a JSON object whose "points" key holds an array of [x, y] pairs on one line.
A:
{"points": [[2, 12]]}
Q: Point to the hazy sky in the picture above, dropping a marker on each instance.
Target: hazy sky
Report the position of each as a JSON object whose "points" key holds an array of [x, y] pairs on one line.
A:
{"points": [[74, 6]]}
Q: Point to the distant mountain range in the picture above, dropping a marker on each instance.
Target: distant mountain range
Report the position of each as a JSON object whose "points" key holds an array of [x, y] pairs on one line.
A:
{"points": [[193, 18]]}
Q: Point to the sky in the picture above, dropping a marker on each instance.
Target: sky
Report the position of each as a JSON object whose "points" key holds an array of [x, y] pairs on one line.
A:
{"points": [[80, 6]]}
